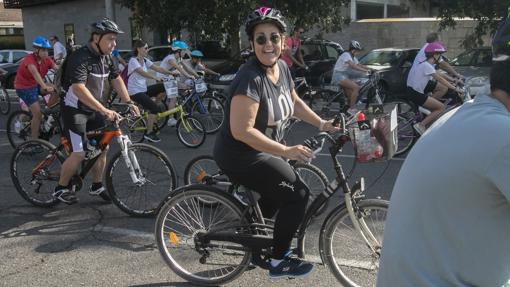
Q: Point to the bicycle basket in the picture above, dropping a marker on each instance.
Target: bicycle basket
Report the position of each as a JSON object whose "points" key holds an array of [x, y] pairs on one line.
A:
{"points": [[200, 86], [379, 140], [171, 87]]}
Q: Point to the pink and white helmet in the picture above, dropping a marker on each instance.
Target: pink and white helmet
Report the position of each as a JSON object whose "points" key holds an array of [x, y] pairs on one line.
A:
{"points": [[435, 47]]}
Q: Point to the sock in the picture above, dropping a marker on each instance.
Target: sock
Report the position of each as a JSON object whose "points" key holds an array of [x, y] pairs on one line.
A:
{"points": [[275, 262], [96, 185]]}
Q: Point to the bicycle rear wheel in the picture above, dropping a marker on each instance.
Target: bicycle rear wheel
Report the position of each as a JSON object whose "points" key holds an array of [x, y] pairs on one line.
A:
{"points": [[185, 215], [406, 134], [343, 249], [211, 113], [5, 105], [18, 127], [190, 132], [156, 177], [35, 170], [199, 167]]}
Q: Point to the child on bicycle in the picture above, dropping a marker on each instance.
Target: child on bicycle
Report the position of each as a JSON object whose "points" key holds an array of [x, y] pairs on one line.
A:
{"points": [[345, 71], [423, 79], [195, 65], [29, 82], [146, 96]]}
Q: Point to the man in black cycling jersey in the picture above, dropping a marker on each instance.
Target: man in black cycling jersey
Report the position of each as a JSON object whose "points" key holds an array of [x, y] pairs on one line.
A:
{"points": [[85, 72], [261, 99]]}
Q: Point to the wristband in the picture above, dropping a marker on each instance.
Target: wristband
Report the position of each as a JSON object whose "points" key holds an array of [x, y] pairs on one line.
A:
{"points": [[321, 125]]}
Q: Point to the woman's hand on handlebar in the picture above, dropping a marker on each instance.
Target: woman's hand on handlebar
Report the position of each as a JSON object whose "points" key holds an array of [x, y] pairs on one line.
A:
{"points": [[328, 126], [299, 153]]}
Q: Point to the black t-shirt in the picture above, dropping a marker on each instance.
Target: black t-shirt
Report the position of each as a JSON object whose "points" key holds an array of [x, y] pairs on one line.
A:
{"points": [[275, 108], [86, 66]]}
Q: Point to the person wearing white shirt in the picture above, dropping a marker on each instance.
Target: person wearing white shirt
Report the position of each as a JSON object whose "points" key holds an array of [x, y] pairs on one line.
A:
{"points": [[137, 85], [347, 68], [59, 51], [424, 79]]}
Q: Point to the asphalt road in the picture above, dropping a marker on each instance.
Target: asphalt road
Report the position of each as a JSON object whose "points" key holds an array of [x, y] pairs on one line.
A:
{"points": [[93, 243]]}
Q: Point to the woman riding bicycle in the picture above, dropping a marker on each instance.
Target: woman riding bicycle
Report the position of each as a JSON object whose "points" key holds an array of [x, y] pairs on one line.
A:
{"points": [[424, 81], [262, 98], [138, 89], [346, 69], [29, 82]]}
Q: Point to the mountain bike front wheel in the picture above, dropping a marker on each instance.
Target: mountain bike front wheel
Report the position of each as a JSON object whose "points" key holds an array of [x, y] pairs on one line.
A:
{"points": [[155, 175], [18, 127]]}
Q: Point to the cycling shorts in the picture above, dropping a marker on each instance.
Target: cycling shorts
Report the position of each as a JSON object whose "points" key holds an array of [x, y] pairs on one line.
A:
{"points": [[146, 102], [30, 95], [418, 98], [76, 125]]}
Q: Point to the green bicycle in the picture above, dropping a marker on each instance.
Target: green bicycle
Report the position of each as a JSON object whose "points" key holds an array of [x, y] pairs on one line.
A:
{"points": [[190, 131]]}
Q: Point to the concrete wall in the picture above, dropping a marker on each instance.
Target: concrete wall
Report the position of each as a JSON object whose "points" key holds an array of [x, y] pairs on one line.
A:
{"points": [[401, 33], [38, 21]]}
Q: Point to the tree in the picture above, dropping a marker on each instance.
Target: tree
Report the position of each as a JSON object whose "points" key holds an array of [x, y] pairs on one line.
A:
{"points": [[487, 13], [214, 18]]}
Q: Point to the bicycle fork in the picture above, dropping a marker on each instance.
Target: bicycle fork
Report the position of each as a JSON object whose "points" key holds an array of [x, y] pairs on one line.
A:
{"points": [[358, 221], [130, 160]]}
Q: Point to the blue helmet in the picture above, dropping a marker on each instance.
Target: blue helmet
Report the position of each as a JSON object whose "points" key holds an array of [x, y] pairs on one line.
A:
{"points": [[179, 45], [197, 54], [41, 42]]}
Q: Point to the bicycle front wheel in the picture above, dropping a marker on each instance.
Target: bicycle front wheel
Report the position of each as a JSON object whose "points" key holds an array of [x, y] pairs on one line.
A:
{"points": [[18, 127], [316, 181], [5, 105], [210, 112], [155, 178], [35, 170], [183, 217], [190, 132], [137, 129], [352, 260]]}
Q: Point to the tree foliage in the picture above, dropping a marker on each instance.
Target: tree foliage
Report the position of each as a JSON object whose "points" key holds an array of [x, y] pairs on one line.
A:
{"points": [[487, 13], [214, 18]]}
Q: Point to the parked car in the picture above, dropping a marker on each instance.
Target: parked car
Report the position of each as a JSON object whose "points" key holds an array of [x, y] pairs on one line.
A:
{"points": [[475, 65], [393, 65], [319, 55], [12, 56]]}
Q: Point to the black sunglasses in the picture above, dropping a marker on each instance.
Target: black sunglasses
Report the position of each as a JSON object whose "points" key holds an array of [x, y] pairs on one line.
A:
{"points": [[274, 38]]}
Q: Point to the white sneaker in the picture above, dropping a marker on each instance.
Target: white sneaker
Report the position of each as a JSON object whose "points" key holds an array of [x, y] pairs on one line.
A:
{"points": [[419, 128], [172, 122]]}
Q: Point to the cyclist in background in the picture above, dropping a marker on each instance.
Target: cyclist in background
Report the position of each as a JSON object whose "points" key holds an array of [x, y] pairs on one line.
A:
{"points": [[173, 62], [262, 99], [195, 64], [423, 80], [292, 54], [85, 72], [146, 96], [29, 82], [450, 207], [346, 69]]}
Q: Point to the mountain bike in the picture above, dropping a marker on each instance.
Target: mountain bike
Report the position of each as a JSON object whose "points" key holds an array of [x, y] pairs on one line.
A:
{"points": [[203, 169], [409, 114], [19, 130], [212, 244], [138, 176], [331, 99]]}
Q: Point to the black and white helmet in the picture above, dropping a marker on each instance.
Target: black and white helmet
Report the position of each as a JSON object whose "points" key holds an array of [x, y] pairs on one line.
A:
{"points": [[355, 45], [105, 26], [501, 41], [264, 15]]}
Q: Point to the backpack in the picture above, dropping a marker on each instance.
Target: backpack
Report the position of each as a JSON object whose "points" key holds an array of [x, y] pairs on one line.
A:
{"points": [[58, 79]]}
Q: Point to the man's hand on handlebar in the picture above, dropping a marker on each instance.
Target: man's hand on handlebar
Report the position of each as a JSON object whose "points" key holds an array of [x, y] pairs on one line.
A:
{"points": [[135, 111], [110, 115]]}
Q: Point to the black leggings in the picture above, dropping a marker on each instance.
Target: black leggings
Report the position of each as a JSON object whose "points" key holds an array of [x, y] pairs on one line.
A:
{"points": [[282, 190]]}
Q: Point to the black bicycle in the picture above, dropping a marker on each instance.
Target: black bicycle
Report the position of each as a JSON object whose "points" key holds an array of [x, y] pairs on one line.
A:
{"points": [[5, 105], [213, 243]]}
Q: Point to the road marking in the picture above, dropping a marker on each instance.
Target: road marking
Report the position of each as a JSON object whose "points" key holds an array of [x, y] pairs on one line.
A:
{"points": [[367, 265]]}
